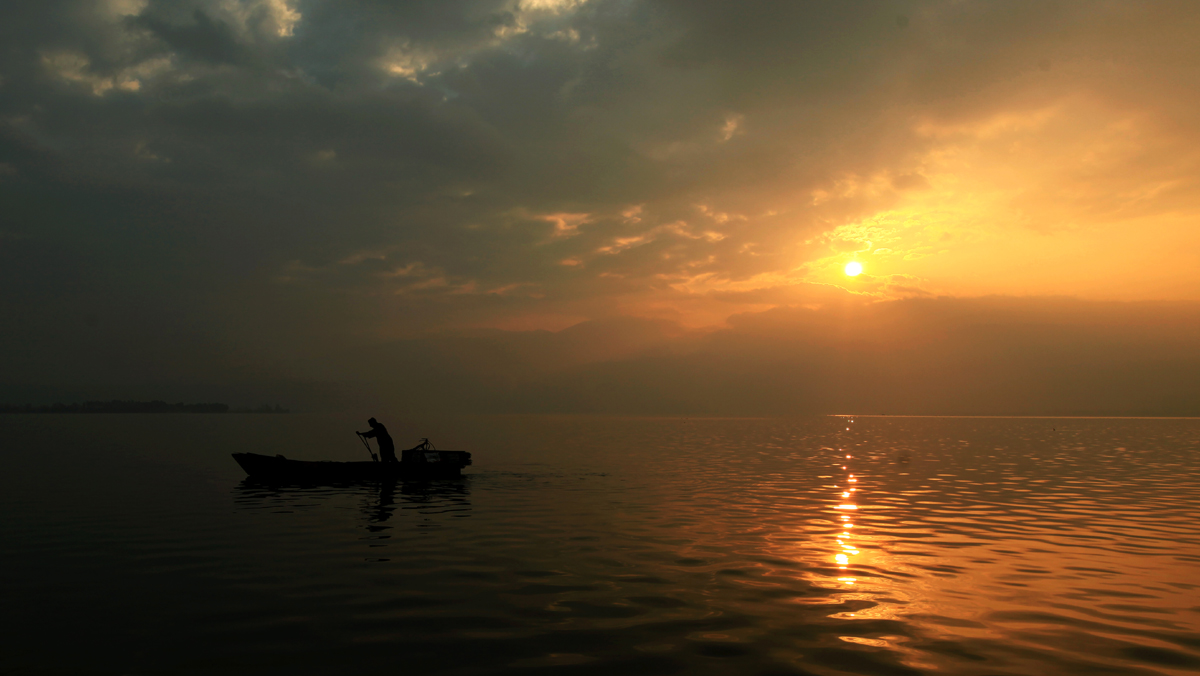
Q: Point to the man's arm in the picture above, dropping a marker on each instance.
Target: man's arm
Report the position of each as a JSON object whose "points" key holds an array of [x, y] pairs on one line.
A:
{"points": [[368, 434]]}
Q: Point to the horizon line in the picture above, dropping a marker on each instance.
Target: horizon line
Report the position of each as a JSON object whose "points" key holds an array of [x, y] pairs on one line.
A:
{"points": [[1042, 417]]}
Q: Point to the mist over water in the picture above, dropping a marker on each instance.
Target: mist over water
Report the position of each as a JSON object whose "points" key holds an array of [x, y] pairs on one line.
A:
{"points": [[586, 545]]}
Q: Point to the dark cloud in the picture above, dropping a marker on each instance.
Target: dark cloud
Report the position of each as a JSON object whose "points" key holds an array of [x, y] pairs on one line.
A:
{"points": [[203, 39]]}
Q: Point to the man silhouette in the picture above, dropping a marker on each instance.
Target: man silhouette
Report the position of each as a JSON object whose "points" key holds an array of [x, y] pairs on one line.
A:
{"points": [[387, 450]]}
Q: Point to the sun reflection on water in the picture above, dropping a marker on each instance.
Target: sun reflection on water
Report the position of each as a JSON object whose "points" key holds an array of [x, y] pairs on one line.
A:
{"points": [[847, 503]]}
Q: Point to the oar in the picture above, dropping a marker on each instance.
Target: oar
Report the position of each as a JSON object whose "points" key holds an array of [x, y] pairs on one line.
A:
{"points": [[362, 439]]}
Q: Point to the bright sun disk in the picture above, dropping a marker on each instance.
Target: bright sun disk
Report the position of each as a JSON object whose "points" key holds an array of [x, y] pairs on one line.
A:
{"points": [[853, 268]]}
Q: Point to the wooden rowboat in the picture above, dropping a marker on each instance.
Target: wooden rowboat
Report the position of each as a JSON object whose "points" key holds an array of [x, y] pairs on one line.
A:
{"points": [[414, 464]]}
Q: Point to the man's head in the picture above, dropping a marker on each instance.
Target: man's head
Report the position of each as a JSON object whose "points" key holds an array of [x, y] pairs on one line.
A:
{"points": [[372, 422]]}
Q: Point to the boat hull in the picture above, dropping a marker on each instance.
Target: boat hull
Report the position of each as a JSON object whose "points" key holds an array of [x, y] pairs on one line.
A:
{"points": [[414, 464]]}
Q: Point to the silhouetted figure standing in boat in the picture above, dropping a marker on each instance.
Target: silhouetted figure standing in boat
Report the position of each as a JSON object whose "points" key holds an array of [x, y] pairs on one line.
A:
{"points": [[387, 450]]}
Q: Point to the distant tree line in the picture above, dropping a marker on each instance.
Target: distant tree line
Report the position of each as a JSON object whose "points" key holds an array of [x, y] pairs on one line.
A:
{"points": [[116, 406]]}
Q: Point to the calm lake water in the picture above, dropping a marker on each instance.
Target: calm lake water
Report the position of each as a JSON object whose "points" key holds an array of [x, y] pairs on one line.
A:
{"points": [[588, 545]]}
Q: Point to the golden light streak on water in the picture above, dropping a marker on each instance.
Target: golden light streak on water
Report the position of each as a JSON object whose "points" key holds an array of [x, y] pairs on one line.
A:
{"points": [[848, 550]]}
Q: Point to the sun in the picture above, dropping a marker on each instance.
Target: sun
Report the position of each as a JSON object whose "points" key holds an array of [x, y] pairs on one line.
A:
{"points": [[854, 268]]}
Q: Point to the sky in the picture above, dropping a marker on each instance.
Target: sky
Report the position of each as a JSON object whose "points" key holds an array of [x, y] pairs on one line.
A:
{"points": [[603, 206]]}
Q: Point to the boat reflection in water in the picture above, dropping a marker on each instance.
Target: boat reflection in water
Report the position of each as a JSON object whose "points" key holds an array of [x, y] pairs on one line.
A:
{"points": [[377, 502], [383, 507]]}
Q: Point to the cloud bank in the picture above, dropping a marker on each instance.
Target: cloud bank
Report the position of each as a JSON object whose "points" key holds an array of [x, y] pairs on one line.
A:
{"points": [[235, 194]]}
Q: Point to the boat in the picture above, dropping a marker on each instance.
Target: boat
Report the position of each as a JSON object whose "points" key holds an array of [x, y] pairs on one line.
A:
{"points": [[416, 464]]}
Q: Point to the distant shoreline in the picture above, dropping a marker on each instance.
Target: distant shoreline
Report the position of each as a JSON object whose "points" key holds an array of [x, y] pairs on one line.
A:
{"points": [[156, 406]]}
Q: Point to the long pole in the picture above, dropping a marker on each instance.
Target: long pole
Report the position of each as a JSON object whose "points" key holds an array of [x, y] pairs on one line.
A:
{"points": [[363, 439]]}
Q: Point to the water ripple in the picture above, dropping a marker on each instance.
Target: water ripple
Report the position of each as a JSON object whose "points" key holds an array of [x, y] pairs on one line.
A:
{"points": [[589, 545]]}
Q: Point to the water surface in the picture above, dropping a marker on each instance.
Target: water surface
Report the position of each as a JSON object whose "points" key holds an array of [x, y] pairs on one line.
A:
{"points": [[587, 545]]}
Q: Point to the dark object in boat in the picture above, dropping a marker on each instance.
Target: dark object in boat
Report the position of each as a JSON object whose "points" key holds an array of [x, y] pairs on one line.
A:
{"points": [[413, 464]]}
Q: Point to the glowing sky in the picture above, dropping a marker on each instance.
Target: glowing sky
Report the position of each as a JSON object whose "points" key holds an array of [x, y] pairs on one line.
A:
{"points": [[268, 184]]}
